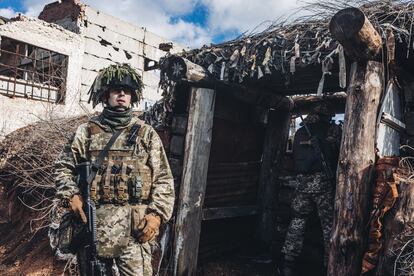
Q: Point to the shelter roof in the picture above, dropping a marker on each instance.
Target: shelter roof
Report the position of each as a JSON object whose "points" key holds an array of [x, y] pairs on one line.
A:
{"points": [[300, 57]]}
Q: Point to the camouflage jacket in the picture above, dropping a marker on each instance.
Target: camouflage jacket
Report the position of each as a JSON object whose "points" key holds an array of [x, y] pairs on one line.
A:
{"points": [[150, 150]]}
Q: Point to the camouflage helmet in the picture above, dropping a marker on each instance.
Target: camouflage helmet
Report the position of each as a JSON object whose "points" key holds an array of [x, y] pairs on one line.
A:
{"points": [[115, 76], [321, 109], [319, 112]]}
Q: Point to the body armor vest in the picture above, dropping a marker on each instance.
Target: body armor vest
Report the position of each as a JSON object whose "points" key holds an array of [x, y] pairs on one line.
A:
{"points": [[307, 159], [125, 176]]}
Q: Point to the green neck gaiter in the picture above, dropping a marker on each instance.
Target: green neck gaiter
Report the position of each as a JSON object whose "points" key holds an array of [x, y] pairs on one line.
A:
{"points": [[116, 119]]}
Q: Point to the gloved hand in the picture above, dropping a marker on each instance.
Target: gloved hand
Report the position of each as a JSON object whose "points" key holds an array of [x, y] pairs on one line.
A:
{"points": [[76, 204], [150, 226]]}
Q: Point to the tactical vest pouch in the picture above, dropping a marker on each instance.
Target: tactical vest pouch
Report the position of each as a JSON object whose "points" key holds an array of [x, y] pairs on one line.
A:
{"points": [[108, 188], [146, 176], [121, 186], [113, 230], [137, 215], [135, 189], [95, 196]]}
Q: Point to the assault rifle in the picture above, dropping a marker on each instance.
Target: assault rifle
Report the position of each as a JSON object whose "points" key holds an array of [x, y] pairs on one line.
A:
{"points": [[89, 263], [88, 257], [316, 146]]}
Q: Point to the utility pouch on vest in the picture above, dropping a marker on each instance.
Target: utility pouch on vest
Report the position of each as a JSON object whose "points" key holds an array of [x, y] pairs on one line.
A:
{"points": [[137, 215], [135, 189], [108, 188], [121, 188], [95, 188], [113, 230]]}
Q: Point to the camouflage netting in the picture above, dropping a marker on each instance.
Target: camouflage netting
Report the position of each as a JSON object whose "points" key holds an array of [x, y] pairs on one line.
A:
{"points": [[285, 46]]}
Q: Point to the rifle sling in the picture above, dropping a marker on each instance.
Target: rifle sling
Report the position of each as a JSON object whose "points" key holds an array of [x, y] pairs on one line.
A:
{"points": [[99, 161]]}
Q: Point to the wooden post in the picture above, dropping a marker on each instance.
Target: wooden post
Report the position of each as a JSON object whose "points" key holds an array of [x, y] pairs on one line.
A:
{"points": [[356, 34], [274, 147], [194, 180], [356, 160]]}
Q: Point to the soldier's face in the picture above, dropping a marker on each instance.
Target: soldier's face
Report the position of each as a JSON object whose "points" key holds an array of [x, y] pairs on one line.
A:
{"points": [[119, 98]]}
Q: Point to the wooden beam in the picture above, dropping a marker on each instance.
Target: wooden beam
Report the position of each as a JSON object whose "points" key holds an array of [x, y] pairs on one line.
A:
{"points": [[178, 68], [304, 104], [273, 149], [356, 160], [229, 212], [194, 180], [357, 35]]}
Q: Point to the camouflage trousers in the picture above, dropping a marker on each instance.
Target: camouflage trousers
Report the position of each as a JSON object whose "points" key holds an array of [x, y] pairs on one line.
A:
{"points": [[302, 205], [135, 261]]}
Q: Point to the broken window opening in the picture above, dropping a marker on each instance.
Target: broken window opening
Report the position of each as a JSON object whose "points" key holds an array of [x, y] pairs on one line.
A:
{"points": [[32, 72]]}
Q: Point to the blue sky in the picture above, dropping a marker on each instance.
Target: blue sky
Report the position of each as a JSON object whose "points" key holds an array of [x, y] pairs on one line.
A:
{"points": [[198, 15], [17, 5], [191, 23]]}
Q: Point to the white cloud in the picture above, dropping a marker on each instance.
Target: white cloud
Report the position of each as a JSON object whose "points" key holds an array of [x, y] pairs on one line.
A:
{"points": [[154, 15], [224, 17], [157, 16], [242, 15], [8, 12], [34, 7], [178, 7]]}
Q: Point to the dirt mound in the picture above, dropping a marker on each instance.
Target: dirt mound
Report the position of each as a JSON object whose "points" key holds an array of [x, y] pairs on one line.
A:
{"points": [[26, 193]]}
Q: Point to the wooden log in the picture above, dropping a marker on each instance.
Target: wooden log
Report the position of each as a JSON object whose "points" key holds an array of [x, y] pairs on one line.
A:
{"points": [[274, 147], [178, 68], [356, 34], [356, 160], [194, 180], [398, 232], [304, 104]]}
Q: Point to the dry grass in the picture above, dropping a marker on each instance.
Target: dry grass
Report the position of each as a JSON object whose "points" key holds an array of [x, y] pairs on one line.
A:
{"points": [[27, 159]]}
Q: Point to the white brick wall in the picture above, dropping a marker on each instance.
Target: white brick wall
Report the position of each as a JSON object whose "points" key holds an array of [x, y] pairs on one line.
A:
{"points": [[103, 40], [18, 112]]}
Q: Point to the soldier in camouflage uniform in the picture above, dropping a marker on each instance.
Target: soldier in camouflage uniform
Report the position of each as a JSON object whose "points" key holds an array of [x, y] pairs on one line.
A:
{"points": [[314, 189], [133, 191]]}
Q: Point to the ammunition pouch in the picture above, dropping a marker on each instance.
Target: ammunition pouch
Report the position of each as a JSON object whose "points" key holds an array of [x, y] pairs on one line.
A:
{"points": [[121, 183]]}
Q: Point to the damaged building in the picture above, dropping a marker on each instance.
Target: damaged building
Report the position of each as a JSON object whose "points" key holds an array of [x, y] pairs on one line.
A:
{"points": [[47, 64]]}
